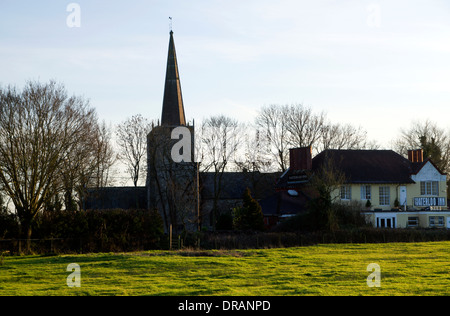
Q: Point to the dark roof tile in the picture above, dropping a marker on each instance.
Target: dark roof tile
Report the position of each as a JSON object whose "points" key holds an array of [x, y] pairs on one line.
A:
{"points": [[360, 166], [368, 166], [235, 183]]}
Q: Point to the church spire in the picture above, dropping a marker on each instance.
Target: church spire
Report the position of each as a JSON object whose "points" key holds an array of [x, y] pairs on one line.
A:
{"points": [[173, 109]]}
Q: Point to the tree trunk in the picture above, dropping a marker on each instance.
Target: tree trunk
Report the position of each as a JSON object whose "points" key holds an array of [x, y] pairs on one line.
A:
{"points": [[25, 233], [29, 239], [25, 228]]}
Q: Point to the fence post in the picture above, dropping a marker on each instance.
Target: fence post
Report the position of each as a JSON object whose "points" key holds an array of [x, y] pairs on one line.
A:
{"points": [[170, 237]]}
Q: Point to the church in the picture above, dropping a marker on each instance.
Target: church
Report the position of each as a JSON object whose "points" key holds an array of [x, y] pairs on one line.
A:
{"points": [[186, 198]]}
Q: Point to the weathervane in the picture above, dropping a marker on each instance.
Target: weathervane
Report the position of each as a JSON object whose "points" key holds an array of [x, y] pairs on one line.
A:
{"points": [[170, 24]]}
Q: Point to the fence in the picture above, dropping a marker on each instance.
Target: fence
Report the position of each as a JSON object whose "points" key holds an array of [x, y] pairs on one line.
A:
{"points": [[298, 239], [77, 245], [223, 240]]}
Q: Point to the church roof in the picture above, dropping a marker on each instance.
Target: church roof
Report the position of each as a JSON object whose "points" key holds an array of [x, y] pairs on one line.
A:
{"points": [[173, 108], [234, 184]]}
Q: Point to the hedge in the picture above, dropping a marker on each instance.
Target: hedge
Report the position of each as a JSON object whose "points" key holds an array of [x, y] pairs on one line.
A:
{"points": [[90, 231]]}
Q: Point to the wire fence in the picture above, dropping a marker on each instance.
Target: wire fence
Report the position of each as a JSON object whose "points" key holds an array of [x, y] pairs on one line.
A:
{"points": [[78, 245], [219, 240]]}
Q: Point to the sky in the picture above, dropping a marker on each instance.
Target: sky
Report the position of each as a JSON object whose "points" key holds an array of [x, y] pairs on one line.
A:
{"points": [[372, 63]]}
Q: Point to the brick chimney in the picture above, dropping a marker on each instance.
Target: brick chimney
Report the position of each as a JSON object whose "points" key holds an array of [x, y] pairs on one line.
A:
{"points": [[415, 155], [301, 158]]}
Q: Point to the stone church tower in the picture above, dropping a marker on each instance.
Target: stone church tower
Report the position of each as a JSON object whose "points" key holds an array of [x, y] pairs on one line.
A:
{"points": [[172, 187]]}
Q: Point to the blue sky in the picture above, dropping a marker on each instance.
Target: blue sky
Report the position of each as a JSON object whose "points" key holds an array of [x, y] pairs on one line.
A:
{"points": [[379, 64]]}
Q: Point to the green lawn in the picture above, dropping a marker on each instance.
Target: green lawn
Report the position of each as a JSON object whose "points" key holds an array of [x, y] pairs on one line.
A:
{"points": [[406, 269]]}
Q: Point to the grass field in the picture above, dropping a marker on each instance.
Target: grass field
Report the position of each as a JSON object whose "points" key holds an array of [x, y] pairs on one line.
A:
{"points": [[406, 269]]}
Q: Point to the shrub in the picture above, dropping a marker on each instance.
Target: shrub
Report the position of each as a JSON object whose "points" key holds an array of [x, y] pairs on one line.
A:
{"points": [[94, 231], [249, 216], [225, 222], [9, 225], [337, 216]]}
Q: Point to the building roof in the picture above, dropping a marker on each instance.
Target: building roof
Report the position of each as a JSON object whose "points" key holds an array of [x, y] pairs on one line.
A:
{"points": [[368, 166], [417, 166], [358, 166], [173, 108], [285, 203], [234, 184], [116, 198]]}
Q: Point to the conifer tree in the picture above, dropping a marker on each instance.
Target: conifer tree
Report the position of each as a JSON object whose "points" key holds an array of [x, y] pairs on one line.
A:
{"points": [[249, 216]]}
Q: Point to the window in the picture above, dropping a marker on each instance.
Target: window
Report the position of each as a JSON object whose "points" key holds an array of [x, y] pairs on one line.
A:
{"points": [[385, 196], [429, 188], [386, 222], [436, 221], [413, 221], [346, 192], [366, 193]]}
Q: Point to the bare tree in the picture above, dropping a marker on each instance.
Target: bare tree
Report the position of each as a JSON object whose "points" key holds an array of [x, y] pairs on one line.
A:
{"points": [[273, 124], [253, 156], [40, 128], [220, 139], [290, 126], [304, 126], [132, 142], [344, 136], [427, 135], [88, 165], [103, 158], [97, 171]]}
